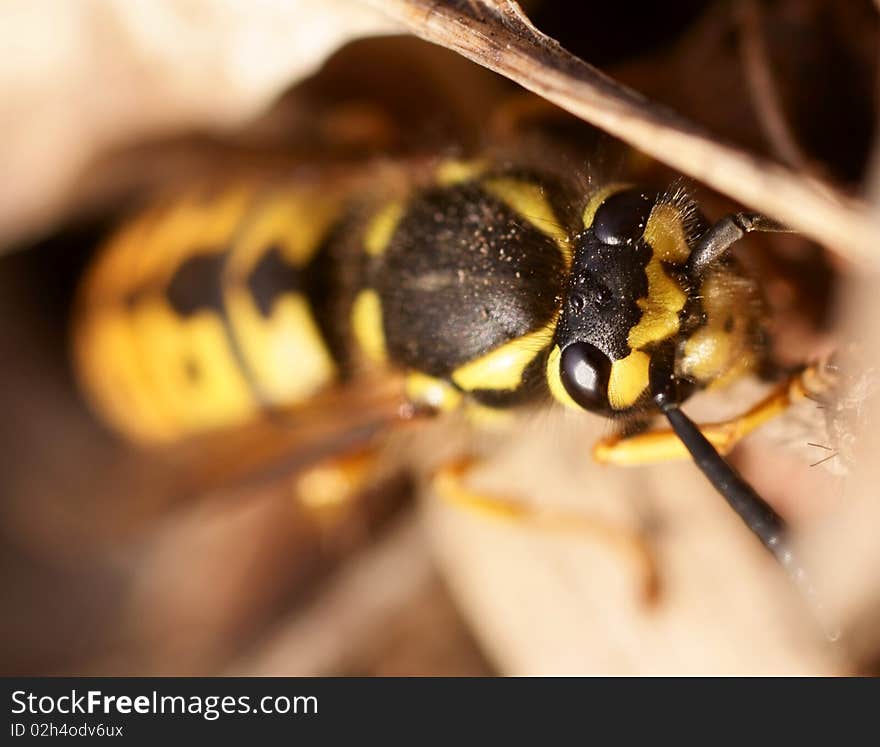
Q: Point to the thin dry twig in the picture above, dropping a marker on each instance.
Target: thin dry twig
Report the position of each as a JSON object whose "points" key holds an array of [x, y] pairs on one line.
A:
{"points": [[499, 36], [763, 89], [872, 174]]}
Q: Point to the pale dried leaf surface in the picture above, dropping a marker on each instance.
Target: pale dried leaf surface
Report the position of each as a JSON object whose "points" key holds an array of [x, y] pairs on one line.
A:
{"points": [[82, 76]]}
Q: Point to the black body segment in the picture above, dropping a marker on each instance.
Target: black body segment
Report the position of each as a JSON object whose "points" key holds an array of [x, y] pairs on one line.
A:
{"points": [[463, 273], [330, 281], [271, 278], [197, 284]]}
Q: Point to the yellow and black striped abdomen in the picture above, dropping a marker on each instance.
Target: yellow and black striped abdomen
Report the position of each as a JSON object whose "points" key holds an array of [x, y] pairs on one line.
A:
{"points": [[198, 314]]}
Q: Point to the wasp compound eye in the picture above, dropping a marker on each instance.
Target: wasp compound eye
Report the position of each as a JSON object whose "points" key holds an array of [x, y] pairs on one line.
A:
{"points": [[621, 219], [584, 371]]}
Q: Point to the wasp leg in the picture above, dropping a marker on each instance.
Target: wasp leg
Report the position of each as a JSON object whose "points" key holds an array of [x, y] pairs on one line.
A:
{"points": [[449, 483], [725, 233], [665, 445], [328, 490]]}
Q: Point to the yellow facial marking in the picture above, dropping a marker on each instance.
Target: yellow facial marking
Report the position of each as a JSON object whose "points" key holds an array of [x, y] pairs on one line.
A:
{"points": [[629, 378], [665, 233], [368, 327], [528, 200], [597, 198], [433, 392], [455, 172], [382, 227], [659, 310], [554, 382], [502, 368]]}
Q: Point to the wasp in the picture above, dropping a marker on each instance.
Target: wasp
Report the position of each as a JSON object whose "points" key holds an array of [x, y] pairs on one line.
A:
{"points": [[486, 286]]}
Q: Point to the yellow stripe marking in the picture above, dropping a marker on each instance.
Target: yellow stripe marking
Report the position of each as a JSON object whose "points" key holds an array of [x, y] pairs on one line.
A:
{"points": [[194, 226], [528, 200], [110, 277], [503, 367], [292, 220], [285, 352], [381, 228], [218, 394], [109, 370], [368, 327], [431, 391], [665, 233], [455, 172], [659, 310]]}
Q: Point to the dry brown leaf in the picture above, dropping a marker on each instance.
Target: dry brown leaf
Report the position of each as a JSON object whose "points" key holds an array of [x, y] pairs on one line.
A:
{"points": [[499, 36]]}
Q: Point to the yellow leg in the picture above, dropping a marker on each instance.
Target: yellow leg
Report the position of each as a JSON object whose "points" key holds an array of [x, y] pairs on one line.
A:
{"points": [[449, 483], [328, 490], [663, 445]]}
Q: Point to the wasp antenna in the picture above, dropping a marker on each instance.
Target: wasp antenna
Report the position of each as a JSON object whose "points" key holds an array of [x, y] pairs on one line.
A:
{"points": [[756, 513], [724, 234]]}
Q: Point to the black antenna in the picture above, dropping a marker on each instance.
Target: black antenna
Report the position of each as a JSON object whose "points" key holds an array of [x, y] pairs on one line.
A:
{"points": [[767, 525]]}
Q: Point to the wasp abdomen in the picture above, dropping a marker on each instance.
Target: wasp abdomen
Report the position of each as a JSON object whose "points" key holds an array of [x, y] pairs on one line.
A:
{"points": [[199, 313]]}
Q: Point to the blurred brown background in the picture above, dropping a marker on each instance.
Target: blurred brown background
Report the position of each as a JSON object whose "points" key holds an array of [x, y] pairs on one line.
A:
{"points": [[110, 568]]}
